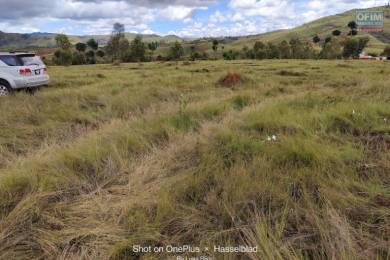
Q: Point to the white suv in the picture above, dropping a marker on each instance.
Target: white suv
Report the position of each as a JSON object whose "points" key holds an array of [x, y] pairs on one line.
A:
{"points": [[21, 71]]}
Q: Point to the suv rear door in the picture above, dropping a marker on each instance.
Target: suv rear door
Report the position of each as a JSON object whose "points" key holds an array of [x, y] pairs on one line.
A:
{"points": [[32, 62]]}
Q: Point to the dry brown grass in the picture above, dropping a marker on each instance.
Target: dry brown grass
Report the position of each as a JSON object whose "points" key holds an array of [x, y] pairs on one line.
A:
{"points": [[160, 160]]}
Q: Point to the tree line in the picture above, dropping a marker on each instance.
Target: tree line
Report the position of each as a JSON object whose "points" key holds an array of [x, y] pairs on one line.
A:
{"points": [[120, 49], [81, 53]]}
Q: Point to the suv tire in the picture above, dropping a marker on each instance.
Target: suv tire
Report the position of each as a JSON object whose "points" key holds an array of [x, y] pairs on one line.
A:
{"points": [[5, 89]]}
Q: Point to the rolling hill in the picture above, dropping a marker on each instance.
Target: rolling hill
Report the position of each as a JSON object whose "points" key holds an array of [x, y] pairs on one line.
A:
{"points": [[322, 27]]}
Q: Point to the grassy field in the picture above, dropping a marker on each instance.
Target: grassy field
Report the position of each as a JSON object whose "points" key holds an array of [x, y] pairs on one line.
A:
{"points": [[290, 156]]}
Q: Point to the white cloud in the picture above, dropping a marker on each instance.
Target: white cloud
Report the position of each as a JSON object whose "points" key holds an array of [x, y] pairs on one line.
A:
{"points": [[18, 27], [315, 9], [218, 17], [96, 16], [148, 31], [264, 8], [176, 12]]}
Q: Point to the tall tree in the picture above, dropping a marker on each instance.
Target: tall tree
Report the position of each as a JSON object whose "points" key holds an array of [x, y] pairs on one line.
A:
{"points": [[118, 28], [176, 51], [336, 33], [215, 47], [91, 59], [353, 28], [350, 48], [137, 49], [62, 57], [362, 44], [193, 54], [386, 52], [285, 50], [316, 39], [63, 42], [331, 50], [354, 47], [78, 58], [152, 46], [81, 47], [118, 46], [100, 53], [273, 51], [352, 25], [93, 44], [192, 49], [260, 50], [258, 46], [297, 48]]}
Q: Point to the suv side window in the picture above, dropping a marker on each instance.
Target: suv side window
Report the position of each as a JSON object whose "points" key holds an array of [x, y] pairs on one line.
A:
{"points": [[11, 60]]}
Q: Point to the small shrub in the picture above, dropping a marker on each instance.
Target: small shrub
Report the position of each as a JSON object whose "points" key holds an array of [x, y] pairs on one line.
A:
{"points": [[62, 57], [232, 79], [78, 59], [296, 153], [214, 110], [341, 124], [202, 70], [240, 102], [184, 122], [344, 66], [291, 73], [116, 63], [100, 76]]}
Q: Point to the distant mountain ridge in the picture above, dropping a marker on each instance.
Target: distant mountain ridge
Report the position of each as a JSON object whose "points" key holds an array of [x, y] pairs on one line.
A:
{"points": [[41, 33]]}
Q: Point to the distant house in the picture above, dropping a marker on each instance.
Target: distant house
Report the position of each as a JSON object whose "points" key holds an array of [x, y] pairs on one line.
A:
{"points": [[364, 56]]}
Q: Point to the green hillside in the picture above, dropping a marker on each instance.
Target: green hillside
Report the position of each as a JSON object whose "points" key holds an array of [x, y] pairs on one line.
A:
{"points": [[322, 27]]}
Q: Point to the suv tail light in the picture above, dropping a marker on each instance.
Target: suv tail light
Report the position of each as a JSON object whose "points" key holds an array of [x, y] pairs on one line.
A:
{"points": [[25, 72], [45, 69]]}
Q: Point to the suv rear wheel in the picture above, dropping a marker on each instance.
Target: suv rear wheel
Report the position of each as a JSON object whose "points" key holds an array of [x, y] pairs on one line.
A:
{"points": [[5, 90]]}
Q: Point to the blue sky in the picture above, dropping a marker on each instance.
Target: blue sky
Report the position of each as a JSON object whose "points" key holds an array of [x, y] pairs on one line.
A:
{"points": [[186, 18]]}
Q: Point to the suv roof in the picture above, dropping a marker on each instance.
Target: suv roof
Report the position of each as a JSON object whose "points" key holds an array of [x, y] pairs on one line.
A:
{"points": [[16, 53]]}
